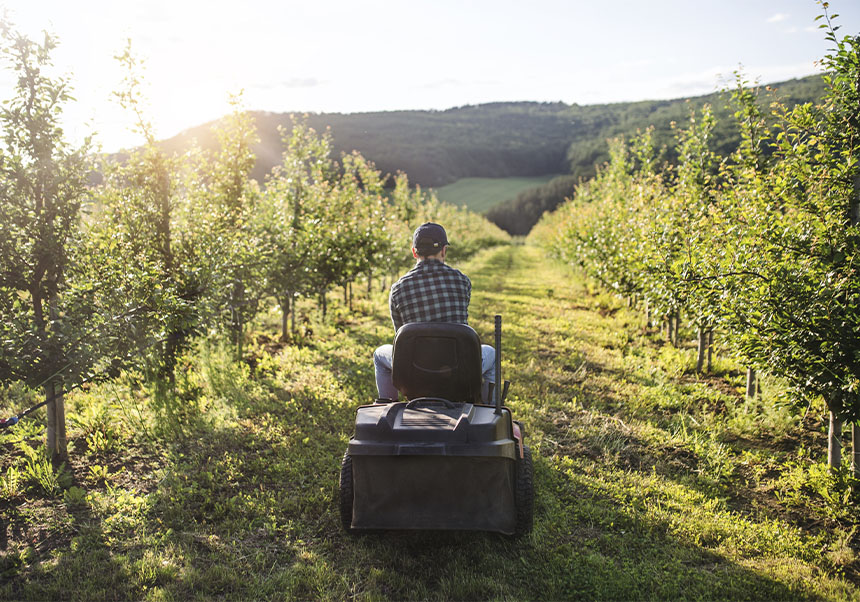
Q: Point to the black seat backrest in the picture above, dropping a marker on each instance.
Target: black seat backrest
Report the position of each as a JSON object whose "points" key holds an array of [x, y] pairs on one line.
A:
{"points": [[437, 359]]}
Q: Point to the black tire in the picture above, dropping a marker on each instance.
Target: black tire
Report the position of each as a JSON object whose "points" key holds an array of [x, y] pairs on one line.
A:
{"points": [[346, 493], [524, 493]]}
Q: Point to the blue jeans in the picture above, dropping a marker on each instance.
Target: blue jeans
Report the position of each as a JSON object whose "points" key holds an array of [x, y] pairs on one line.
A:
{"points": [[385, 386]]}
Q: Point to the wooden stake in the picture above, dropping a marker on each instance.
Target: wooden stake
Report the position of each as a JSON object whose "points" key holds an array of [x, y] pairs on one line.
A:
{"points": [[751, 383]]}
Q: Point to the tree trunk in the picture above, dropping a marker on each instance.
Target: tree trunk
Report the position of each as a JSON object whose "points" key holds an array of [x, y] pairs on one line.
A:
{"points": [[670, 329], [834, 443], [703, 343], [56, 432], [751, 382], [292, 298], [51, 431], [369, 283], [285, 314], [855, 449], [677, 340], [168, 362], [323, 304], [710, 364], [240, 338], [350, 295]]}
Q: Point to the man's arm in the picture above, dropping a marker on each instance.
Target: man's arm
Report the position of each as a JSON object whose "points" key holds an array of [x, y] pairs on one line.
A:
{"points": [[468, 295], [396, 318]]}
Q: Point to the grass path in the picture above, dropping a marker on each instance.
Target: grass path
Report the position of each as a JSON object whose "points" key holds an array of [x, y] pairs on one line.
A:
{"points": [[635, 498]]}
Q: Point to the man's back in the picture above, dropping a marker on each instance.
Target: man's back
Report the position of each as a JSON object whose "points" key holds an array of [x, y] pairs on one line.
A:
{"points": [[430, 292]]}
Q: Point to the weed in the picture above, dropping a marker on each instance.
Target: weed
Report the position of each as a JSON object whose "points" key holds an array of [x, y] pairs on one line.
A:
{"points": [[75, 496], [98, 473], [675, 362], [39, 473], [10, 483]]}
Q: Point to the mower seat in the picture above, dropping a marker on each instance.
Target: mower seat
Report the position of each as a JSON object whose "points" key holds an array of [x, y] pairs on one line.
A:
{"points": [[437, 359]]}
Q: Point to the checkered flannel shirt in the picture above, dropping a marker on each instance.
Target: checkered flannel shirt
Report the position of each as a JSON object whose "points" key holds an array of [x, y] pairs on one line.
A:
{"points": [[430, 292]]}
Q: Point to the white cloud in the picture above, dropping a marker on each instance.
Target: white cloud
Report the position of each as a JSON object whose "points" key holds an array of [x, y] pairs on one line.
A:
{"points": [[778, 18]]}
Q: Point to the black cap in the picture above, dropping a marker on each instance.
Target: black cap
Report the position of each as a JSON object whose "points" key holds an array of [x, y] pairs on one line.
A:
{"points": [[429, 238]]}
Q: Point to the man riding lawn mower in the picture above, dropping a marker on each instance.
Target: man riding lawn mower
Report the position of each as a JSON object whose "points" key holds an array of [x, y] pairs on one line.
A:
{"points": [[445, 458]]}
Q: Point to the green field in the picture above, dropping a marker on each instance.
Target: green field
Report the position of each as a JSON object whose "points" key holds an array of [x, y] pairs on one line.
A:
{"points": [[482, 194], [651, 482]]}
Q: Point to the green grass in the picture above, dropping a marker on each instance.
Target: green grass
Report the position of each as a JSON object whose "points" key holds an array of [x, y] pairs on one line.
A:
{"points": [[651, 482], [482, 194]]}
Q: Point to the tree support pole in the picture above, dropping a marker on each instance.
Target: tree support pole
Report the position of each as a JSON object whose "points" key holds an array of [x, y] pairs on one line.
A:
{"points": [[751, 382]]}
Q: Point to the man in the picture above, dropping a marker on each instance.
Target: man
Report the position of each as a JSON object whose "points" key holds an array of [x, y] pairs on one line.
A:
{"points": [[429, 292]]}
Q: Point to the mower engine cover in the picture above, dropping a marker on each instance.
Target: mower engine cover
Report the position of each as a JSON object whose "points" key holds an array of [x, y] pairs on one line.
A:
{"points": [[433, 464]]}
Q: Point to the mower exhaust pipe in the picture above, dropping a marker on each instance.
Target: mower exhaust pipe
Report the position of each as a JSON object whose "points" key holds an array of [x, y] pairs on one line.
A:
{"points": [[497, 389]]}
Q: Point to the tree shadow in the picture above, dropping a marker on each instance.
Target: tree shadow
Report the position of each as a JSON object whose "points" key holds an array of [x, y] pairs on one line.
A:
{"points": [[50, 570], [599, 550]]}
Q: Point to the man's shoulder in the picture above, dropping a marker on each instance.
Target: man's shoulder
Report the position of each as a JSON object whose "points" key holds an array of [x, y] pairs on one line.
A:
{"points": [[424, 270], [447, 269], [458, 274], [427, 269]]}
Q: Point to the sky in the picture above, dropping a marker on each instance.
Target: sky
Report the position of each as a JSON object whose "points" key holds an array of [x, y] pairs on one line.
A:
{"points": [[379, 55]]}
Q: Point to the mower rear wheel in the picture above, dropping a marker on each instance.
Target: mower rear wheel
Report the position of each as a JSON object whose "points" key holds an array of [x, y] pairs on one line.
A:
{"points": [[524, 493], [346, 493]]}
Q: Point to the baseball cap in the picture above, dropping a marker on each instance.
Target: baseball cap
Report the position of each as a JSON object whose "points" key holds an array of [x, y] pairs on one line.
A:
{"points": [[429, 238]]}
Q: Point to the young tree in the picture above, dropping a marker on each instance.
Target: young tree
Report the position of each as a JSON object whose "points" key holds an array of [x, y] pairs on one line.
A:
{"points": [[131, 239], [222, 239], [289, 213], [801, 318], [695, 268], [43, 181]]}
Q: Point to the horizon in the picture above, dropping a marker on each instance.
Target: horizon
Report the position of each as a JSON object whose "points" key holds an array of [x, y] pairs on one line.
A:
{"points": [[382, 56], [489, 102]]}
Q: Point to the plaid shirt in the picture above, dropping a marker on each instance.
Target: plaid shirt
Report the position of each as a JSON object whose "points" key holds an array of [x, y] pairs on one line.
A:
{"points": [[430, 292]]}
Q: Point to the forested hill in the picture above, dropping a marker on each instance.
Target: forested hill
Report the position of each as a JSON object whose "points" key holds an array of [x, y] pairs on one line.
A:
{"points": [[435, 147], [496, 140]]}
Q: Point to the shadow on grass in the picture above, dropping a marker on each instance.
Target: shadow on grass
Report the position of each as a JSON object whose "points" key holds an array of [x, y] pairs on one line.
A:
{"points": [[590, 549], [91, 571]]}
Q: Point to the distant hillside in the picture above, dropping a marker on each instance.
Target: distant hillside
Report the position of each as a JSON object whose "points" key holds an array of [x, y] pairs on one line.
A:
{"points": [[482, 194], [433, 147], [522, 139]]}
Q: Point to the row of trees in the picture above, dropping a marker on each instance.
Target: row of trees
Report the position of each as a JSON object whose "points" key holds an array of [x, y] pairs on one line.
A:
{"points": [[104, 265], [762, 244], [596, 124]]}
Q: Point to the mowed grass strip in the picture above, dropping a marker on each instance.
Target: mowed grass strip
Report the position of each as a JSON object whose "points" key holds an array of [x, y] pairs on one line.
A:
{"points": [[637, 495], [482, 194]]}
